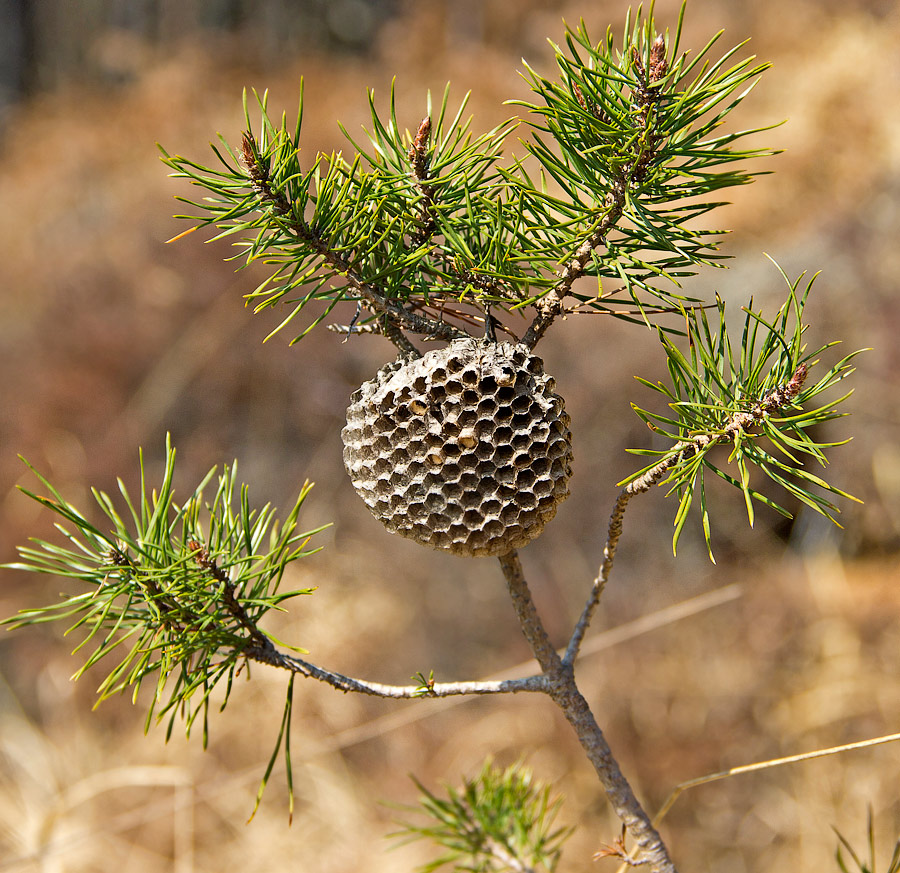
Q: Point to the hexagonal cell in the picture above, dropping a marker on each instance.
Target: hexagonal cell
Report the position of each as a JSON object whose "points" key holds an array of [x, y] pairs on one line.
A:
{"points": [[438, 522], [541, 466], [476, 541], [467, 438], [451, 471], [523, 459], [473, 518], [453, 386], [542, 487], [469, 480], [491, 506], [437, 392], [382, 466], [521, 403], [509, 513], [382, 424], [486, 407], [513, 532], [469, 377], [455, 363], [494, 528], [467, 461], [503, 413], [467, 418], [470, 397], [557, 449], [487, 385], [484, 428], [484, 450], [470, 499], [398, 457], [421, 532], [538, 450], [458, 532], [525, 479], [528, 518], [546, 503], [417, 510], [503, 475], [527, 500], [453, 491], [416, 448], [505, 394], [503, 434], [434, 502], [381, 445], [503, 454]]}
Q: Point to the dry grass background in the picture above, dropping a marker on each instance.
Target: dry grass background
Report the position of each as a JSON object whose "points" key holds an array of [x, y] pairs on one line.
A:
{"points": [[109, 338]]}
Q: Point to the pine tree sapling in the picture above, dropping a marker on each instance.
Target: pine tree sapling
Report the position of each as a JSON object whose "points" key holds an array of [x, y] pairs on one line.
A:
{"points": [[445, 236]]}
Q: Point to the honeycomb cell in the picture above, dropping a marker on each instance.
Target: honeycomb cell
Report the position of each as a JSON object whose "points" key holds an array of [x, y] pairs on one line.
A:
{"points": [[466, 449], [487, 406], [484, 428], [468, 461], [470, 499], [526, 479], [470, 481], [542, 487], [503, 454]]}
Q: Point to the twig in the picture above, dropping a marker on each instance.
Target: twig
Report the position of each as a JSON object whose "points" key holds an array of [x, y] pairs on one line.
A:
{"points": [[564, 692], [378, 302], [776, 399], [644, 97], [270, 655], [507, 858], [614, 532], [765, 765], [551, 304]]}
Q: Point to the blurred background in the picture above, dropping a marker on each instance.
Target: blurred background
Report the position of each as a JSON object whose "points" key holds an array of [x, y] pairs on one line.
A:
{"points": [[109, 338]]}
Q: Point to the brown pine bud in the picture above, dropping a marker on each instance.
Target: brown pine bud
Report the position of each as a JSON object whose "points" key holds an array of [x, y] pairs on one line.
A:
{"points": [[658, 63]]}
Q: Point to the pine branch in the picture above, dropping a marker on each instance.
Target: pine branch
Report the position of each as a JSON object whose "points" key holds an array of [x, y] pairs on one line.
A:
{"points": [[394, 314], [268, 654], [564, 692]]}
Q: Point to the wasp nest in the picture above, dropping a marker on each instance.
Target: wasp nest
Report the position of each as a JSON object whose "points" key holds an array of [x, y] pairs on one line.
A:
{"points": [[466, 449]]}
